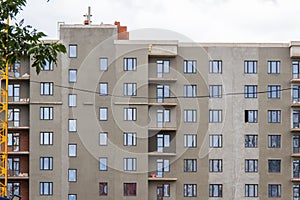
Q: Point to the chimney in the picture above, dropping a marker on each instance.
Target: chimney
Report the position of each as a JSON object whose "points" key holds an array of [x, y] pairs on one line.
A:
{"points": [[122, 31]]}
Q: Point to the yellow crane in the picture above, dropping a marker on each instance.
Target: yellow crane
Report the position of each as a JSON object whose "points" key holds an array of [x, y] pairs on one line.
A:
{"points": [[4, 127]]}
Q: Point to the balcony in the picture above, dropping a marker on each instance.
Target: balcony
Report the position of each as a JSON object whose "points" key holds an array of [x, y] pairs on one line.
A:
{"points": [[156, 153], [162, 179], [159, 176], [170, 104], [162, 80], [165, 128], [18, 101], [296, 120]]}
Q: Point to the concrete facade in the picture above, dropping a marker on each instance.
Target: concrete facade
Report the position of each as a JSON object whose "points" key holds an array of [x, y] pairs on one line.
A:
{"points": [[257, 152]]}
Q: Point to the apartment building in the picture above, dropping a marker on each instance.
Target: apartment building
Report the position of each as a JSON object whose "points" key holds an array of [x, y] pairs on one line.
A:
{"points": [[154, 120]]}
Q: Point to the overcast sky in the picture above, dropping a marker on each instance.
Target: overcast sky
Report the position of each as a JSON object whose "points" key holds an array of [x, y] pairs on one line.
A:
{"points": [[198, 20]]}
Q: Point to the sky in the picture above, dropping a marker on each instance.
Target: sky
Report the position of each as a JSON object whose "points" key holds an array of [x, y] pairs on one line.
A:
{"points": [[187, 20]]}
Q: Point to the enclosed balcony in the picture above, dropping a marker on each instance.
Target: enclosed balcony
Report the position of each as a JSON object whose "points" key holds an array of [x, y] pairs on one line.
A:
{"points": [[296, 120], [163, 97], [15, 119], [296, 146], [160, 170], [162, 144], [160, 70], [20, 70], [162, 119], [296, 170]]}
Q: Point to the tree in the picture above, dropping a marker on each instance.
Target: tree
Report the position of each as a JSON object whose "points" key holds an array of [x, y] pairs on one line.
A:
{"points": [[19, 41]]}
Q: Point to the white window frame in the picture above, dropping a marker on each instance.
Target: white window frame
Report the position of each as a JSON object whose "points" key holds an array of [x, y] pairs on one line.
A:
{"points": [[130, 114], [103, 64], [190, 116], [72, 150]]}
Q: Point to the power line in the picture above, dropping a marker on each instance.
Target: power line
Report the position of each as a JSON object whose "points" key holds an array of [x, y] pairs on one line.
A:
{"points": [[175, 97]]}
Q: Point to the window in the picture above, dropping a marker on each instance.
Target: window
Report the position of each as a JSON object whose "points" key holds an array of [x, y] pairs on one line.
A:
{"points": [[251, 116], [163, 141], [129, 189], [14, 117], [296, 118], [163, 190], [72, 100], [163, 91], [72, 76], [14, 92], [273, 67], [215, 165], [215, 91], [103, 189], [72, 197], [103, 138], [72, 150], [215, 116], [190, 116], [190, 140], [274, 190], [103, 64], [251, 190], [190, 66], [72, 175], [250, 67], [296, 69], [129, 89], [296, 170], [190, 90], [13, 166], [251, 141], [13, 188], [46, 138], [215, 141], [215, 67], [46, 113], [130, 114], [296, 93], [251, 165], [103, 89], [103, 114], [13, 141], [190, 190], [250, 91], [274, 116], [103, 164], [46, 188], [274, 91], [296, 144], [190, 165], [46, 88], [274, 166], [274, 141], [73, 51], [163, 117], [72, 125], [129, 64], [46, 163], [129, 164], [215, 190], [48, 66], [129, 139], [162, 167], [296, 192], [163, 67]]}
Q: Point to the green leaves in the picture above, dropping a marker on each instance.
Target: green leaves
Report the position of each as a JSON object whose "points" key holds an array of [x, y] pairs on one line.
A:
{"points": [[22, 41]]}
